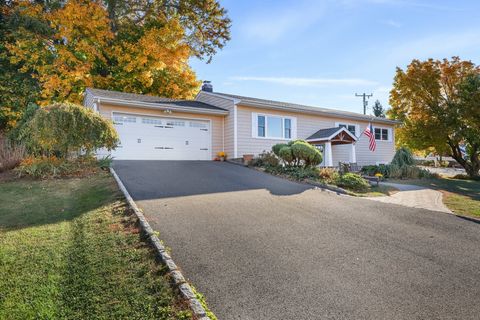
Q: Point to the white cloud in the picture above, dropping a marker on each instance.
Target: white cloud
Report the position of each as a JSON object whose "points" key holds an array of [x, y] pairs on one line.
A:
{"points": [[436, 46], [309, 82], [392, 23], [401, 3], [278, 22]]}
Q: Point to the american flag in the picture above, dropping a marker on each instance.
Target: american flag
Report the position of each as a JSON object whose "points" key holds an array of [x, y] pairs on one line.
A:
{"points": [[371, 137]]}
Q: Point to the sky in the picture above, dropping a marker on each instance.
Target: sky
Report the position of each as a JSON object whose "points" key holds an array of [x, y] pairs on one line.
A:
{"points": [[322, 52]]}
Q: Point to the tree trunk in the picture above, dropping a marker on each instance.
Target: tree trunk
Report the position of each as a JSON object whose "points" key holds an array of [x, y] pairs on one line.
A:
{"points": [[472, 167]]}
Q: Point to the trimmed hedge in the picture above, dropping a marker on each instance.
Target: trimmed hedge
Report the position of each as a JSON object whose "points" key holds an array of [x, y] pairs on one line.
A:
{"points": [[353, 182], [298, 153]]}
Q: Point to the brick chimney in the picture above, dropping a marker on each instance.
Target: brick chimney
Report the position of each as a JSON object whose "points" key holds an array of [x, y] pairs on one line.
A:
{"points": [[207, 86]]}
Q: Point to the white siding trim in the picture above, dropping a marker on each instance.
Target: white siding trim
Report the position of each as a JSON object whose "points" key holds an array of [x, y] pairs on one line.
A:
{"points": [[254, 124], [293, 123], [390, 133], [235, 136], [357, 127]]}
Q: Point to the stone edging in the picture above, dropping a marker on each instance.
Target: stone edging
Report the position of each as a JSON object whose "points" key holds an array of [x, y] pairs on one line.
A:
{"points": [[176, 275]]}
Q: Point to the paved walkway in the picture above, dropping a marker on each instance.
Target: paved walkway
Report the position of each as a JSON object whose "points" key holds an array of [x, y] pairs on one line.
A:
{"points": [[415, 197]]}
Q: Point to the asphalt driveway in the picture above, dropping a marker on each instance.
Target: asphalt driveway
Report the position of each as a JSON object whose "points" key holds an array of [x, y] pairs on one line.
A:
{"points": [[260, 247]]}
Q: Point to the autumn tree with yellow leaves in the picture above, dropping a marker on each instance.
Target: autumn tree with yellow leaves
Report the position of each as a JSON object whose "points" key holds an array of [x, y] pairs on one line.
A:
{"points": [[53, 50], [438, 102]]}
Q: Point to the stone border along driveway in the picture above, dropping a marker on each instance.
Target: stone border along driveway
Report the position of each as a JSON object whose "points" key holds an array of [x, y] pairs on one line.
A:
{"points": [[177, 276]]}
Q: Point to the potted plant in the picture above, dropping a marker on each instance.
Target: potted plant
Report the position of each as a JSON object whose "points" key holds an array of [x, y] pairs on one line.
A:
{"points": [[222, 155]]}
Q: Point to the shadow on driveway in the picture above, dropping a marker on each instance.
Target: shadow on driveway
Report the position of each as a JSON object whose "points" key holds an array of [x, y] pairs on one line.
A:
{"points": [[165, 179]]}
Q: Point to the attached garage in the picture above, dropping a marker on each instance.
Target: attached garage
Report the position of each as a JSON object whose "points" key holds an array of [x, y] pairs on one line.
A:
{"points": [[160, 138], [155, 128]]}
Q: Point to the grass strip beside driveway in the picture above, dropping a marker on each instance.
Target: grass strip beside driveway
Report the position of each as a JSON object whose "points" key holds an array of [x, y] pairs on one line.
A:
{"points": [[69, 249]]}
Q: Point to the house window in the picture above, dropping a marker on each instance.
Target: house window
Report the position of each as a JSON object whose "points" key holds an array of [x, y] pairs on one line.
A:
{"points": [[382, 134], [261, 126], [195, 124], [350, 127], [124, 118], [287, 128], [151, 121], [176, 123], [273, 127]]}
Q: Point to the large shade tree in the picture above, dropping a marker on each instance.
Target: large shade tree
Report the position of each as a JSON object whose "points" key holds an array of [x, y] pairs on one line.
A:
{"points": [[52, 50], [439, 105]]}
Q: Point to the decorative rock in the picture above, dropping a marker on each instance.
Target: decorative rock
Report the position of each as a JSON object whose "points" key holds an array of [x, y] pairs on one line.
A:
{"points": [[197, 308], [157, 245], [186, 291], [165, 256], [177, 277], [171, 265]]}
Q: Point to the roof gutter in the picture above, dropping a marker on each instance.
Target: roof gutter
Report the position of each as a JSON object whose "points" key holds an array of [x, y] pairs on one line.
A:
{"points": [[158, 106], [316, 112]]}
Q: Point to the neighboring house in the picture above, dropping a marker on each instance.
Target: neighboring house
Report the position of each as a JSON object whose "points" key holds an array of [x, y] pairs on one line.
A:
{"points": [[165, 129]]}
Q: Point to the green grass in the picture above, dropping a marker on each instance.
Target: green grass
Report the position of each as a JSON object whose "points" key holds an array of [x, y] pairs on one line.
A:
{"points": [[460, 196], [70, 250]]}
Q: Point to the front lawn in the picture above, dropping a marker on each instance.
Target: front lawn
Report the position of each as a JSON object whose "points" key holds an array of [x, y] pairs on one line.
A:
{"points": [[460, 196], [70, 249]]}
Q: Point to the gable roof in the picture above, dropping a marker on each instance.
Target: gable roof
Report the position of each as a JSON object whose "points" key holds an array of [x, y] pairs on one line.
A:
{"points": [[151, 101], [329, 133], [293, 107]]}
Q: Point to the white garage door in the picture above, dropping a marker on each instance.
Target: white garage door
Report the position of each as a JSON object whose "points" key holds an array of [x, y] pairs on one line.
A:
{"points": [[159, 138]]}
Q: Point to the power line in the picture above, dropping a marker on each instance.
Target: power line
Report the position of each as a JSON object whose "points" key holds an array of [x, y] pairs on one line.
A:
{"points": [[365, 100]]}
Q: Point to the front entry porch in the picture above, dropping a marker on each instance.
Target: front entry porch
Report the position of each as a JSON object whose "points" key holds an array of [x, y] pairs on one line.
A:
{"points": [[328, 137]]}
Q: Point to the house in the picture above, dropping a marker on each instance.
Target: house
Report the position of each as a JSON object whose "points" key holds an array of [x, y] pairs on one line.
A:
{"points": [[154, 128]]}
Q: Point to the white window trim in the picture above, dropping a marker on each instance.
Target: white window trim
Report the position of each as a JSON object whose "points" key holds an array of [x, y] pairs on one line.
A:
{"points": [[293, 129], [357, 127], [389, 134]]}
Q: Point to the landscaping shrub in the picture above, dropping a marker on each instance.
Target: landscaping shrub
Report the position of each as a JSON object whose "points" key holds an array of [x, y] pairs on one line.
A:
{"points": [[353, 182], [62, 129], [11, 154], [105, 163], [306, 153], [402, 167], [403, 157], [43, 167], [276, 148], [21, 133], [328, 175], [298, 153], [265, 159], [301, 173], [286, 155], [297, 173], [372, 170]]}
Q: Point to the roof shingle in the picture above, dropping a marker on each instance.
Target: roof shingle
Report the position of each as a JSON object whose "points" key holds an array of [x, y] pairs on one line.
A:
{"points": [[323, 133], [134, 97], [304, 108]]}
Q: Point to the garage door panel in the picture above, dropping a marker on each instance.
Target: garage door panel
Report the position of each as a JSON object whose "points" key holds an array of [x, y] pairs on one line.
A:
{"points": [[159, 138]]}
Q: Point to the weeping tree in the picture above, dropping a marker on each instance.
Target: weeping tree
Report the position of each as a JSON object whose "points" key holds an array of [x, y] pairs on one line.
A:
{"points": [[64, 129]]}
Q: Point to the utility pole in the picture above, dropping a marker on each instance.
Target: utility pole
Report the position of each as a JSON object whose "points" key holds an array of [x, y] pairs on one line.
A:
{"points": [[365, 101]]}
